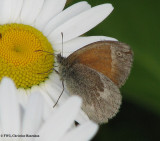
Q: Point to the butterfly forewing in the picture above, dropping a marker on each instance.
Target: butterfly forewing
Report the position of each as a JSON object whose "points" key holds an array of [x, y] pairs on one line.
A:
{"points": [[112, 58]]}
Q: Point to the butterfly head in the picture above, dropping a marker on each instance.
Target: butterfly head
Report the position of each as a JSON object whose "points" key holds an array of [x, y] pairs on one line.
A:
{"points": [[60, 59]]}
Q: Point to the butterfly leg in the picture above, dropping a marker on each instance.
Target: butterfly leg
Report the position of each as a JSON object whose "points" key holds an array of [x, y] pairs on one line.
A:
{"points": [[60, 94]]}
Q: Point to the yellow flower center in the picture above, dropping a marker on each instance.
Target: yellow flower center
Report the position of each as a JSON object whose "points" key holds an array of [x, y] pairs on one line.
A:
{"points": [[22, 55]]}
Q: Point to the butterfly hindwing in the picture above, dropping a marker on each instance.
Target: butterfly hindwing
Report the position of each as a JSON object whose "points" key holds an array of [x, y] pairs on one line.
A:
{"points": [[101, 97]]}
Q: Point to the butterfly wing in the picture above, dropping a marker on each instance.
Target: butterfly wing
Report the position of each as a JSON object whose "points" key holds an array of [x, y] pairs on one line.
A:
{"points": [[112, 58], [101, 97]]}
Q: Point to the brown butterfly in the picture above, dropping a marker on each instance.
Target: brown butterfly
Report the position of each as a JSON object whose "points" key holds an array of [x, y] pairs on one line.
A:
{"points": [[95, 73]]}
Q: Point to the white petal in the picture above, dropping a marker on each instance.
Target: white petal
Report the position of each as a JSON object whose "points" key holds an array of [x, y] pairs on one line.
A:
{"points": [[47, 110], [80, 24], [66, 15], [84, 132], [61, 120], [5, 11], [79, 42], [33, 115], [22, 97], [34, 88], [48, 104], [49, 9], [9, 108], [82, 117], [15, 10], [45, 95], [54, 88], [22, 91], [30, 10]]}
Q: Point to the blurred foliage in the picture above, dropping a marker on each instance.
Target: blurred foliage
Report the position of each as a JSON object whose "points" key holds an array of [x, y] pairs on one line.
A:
{"points": [[132, 123], [136, 23]]}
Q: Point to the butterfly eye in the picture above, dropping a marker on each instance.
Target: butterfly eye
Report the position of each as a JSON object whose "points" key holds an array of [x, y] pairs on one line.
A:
{"points": [[119, 54]]}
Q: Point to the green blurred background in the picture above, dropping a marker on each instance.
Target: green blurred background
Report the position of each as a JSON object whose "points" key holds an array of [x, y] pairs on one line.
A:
{"points": [[137, 23]]}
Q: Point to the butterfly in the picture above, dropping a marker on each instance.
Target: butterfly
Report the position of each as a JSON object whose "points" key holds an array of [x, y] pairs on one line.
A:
{"points": [[95, 72]]}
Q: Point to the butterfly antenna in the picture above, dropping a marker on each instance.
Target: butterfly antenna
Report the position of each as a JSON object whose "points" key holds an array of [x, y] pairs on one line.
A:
{"points": [[48, 53]]}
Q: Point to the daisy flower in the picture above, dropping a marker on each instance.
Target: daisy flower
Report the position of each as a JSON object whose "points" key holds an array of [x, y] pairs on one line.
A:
{"points": [[17, 123], [30, 33]]}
